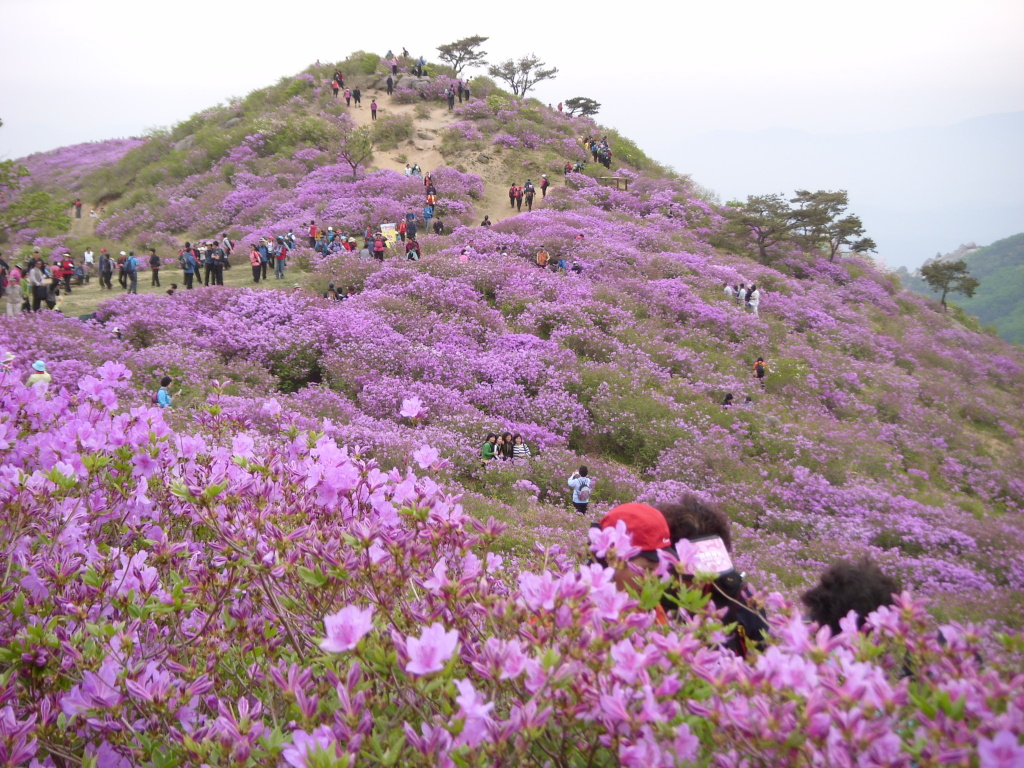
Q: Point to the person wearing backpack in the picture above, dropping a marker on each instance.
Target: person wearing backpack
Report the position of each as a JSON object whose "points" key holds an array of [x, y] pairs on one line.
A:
{"points": [[544, 185], [582, 486], [154, 265], [162, 397], [131, 271], [280, 257], [760, 371], [189, 265]]}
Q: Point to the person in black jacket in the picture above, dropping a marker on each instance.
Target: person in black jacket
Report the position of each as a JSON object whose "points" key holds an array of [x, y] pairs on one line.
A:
{"points": [[154, 264]]}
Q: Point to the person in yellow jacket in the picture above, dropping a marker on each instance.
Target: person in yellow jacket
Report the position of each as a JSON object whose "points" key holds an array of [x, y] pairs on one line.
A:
{"points": [[41, 374]]}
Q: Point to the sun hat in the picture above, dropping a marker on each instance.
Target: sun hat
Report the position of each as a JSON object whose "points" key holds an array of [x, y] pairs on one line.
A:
{"points": [[39, 365], [123, 253], [645, 524]]}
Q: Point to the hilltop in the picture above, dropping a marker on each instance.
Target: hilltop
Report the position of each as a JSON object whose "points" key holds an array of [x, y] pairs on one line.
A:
{"points": [[1000, 269], [320, 472]]}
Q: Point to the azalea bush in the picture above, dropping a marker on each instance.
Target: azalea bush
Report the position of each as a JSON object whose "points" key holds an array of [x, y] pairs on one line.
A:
{"points": [[222, 597]]}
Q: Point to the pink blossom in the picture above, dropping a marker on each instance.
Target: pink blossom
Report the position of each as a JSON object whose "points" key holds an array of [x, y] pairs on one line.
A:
{"points": [[346, 628], [306, 745], [431, 650], [412, 408], [1004, 750]]}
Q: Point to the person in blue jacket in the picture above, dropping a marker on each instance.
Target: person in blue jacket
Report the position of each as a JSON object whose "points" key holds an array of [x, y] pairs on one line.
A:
{"points": [[163, 397]]}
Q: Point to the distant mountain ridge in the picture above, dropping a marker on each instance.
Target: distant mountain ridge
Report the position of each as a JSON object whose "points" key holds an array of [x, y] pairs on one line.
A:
{"points": [[916, 189], [999, 300]]}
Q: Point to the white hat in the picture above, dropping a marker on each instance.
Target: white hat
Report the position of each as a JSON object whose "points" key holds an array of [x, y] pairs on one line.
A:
{"points": [[123, 253], [330, 229]]}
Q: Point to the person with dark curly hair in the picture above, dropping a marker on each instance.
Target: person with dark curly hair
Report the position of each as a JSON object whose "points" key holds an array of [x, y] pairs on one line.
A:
{"points": [[860, 587], [707, 530]]}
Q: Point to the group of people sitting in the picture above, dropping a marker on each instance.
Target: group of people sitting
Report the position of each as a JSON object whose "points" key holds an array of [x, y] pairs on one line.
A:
{"points": [[698, 535], [505, 446], [745, 295], [557, 264], [334, 294]]}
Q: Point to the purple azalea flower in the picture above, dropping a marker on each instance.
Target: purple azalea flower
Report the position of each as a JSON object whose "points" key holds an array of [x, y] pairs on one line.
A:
{"points": [[346, 628], [431, 650]]}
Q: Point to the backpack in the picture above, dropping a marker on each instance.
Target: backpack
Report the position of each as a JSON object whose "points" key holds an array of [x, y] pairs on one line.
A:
{"points": [[759, 370], [583, 493], [132, 264]]}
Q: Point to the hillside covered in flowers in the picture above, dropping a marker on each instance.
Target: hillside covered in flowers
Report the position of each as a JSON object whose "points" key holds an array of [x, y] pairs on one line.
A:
{"points": [[305, 562]]}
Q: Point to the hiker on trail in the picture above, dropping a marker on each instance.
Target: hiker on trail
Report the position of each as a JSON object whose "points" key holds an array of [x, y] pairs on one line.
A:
{"points": [[335, 87], [256, 262], [78, 208], [428, 182], [107, 270], [390, 85], [486, 222], [339, 77], [131, 269], [528, 192], [154, 265], [581, 485], [438, 226], [264, 249], [280, 258], [163, 397], [122, 278], [428, 214], [401, 228], [754, 300], [544, 185], [431, 199], [189, 265], [67, 269], [373, 109], [348, 97], [568, 168], [450, 95], [357, 96], [760, 371]]}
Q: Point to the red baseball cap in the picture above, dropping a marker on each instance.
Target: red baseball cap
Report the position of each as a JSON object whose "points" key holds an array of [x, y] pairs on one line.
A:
{"points": [[645, 524]]}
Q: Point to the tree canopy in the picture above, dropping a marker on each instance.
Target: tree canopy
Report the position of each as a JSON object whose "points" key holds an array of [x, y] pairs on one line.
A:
{"points": [[949, 277], [463, 53], [814, 221], [522, 75], [582, 105], [20, 209]]}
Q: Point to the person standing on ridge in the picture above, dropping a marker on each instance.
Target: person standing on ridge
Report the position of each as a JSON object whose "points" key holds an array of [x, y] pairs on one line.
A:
{"points": [[335, 86], [357, 96], [581, 485], [373, 109], [78, 208], [544, 185], [390, 85], [280, 257], [106, 270], [154, 265], [348, 97], [255, 262], [512, 196], [131, 270]]}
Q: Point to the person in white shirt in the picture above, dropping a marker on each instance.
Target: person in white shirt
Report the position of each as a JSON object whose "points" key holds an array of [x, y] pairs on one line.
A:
{"points": [[754, 300], [729, 291]]}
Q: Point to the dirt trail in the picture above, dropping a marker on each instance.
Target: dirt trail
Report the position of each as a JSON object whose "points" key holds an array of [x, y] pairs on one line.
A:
{"points": [[424, 151], [85, 226]]}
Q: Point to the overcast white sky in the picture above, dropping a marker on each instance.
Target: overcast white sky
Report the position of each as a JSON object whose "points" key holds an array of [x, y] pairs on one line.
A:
{"points": [[73, 71]]}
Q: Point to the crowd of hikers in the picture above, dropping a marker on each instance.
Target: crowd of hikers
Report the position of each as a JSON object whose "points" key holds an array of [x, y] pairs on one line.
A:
{"points": [[745, 296]]}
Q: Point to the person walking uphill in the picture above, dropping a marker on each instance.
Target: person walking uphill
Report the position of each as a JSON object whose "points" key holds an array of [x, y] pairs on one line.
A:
{"points": [[760, 371], [582, 486]]}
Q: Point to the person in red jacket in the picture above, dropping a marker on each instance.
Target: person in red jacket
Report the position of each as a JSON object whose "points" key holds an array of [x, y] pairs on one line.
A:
{"points": [[314, 233], [401, 229], [67, 269]]}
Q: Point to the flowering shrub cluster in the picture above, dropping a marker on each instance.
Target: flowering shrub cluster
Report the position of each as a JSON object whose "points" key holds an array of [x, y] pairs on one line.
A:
{"points": [[304, 562], [65, 169], [226, 597]]}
